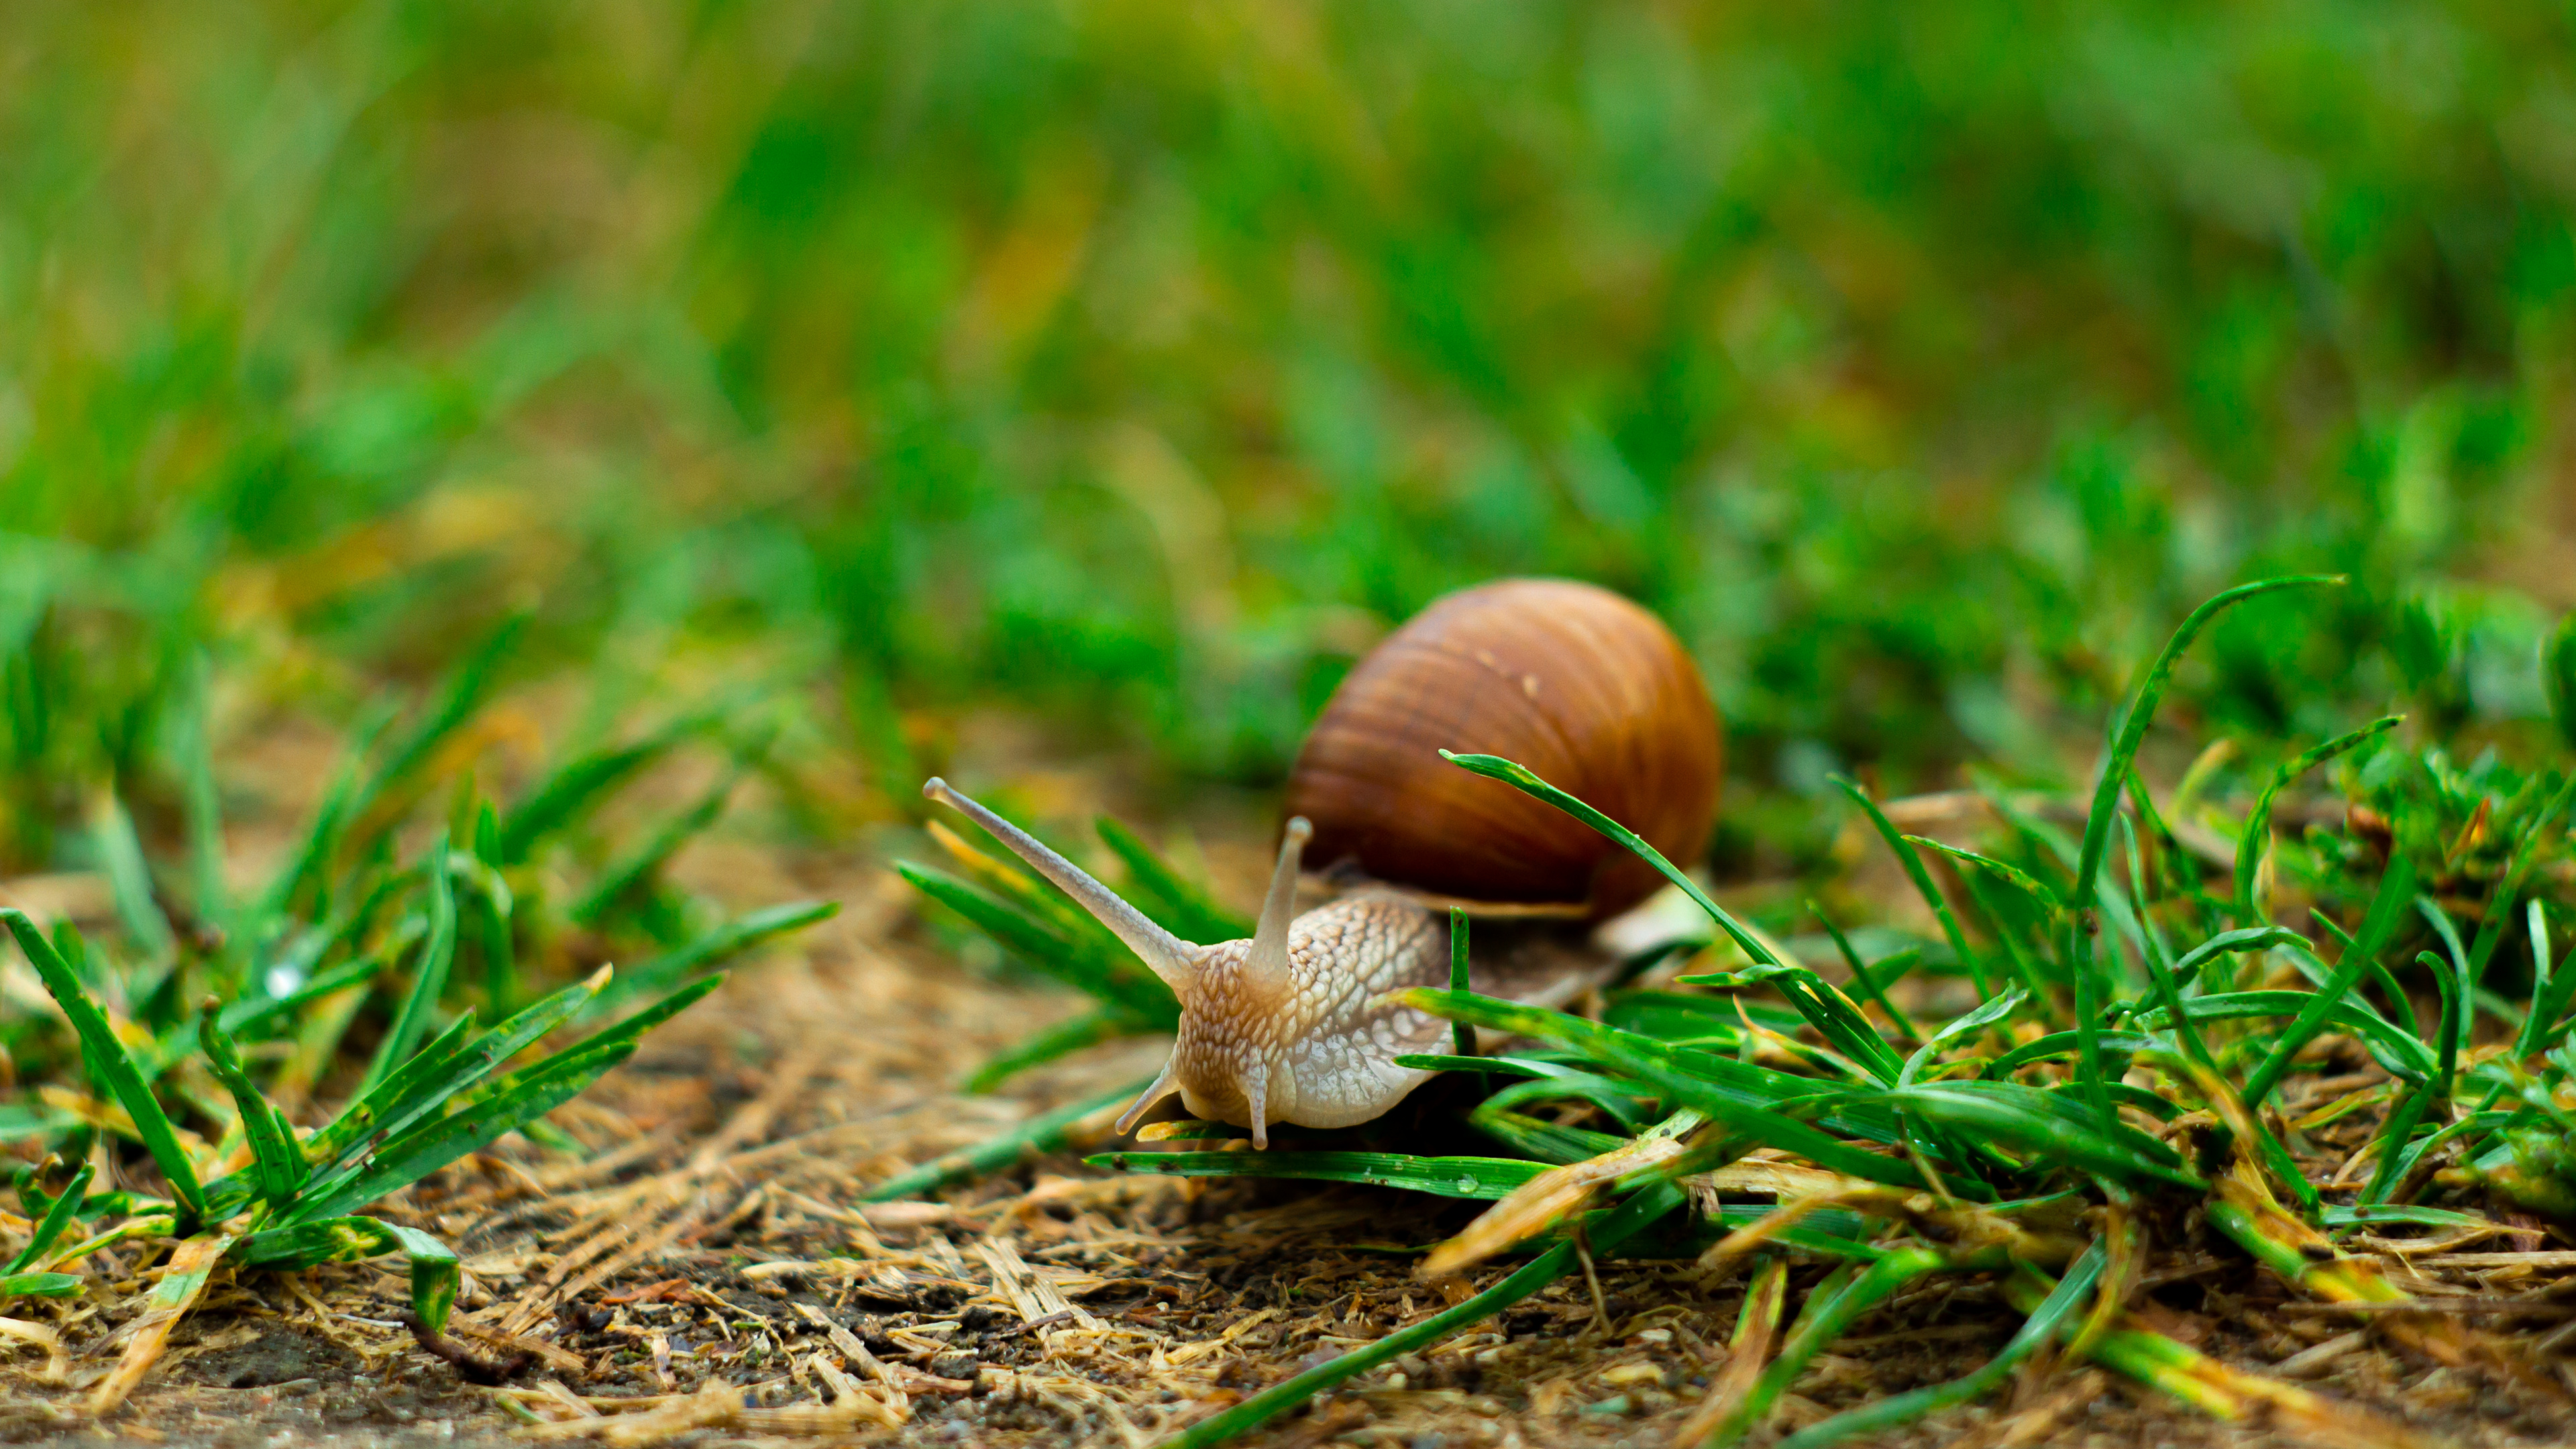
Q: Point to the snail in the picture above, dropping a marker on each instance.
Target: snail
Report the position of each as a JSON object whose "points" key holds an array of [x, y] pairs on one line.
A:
{"points": [[1587, 689]]}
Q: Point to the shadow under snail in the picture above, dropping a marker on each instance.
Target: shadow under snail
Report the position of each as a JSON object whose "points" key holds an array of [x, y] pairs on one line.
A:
{"points": [[1582, 686]]}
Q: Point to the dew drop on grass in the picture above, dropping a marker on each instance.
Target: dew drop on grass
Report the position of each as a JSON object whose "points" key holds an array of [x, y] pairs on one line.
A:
{"points": [[1466, 1184]]}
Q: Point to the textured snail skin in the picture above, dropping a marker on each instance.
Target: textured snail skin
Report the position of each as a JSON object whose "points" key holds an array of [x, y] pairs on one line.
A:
{"points": [[1582, 686], [1320, 1052]]}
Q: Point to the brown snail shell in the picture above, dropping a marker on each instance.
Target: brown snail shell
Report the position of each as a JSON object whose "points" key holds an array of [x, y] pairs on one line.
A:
{"points": [[1582, 686]]}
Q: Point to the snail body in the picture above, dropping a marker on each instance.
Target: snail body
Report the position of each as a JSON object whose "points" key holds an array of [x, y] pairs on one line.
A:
{"points": [[1292, 1025]]}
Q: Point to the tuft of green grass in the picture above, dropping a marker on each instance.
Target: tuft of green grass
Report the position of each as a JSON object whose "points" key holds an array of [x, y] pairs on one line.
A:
{"points": [[1963, 1146], [346, 932]]}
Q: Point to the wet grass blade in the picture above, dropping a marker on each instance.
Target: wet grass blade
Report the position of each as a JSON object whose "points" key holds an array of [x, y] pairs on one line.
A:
{"points": [[2255, 840], [1483, 1178], [1043, 1133], [1606, 1235], [107, 1056]]}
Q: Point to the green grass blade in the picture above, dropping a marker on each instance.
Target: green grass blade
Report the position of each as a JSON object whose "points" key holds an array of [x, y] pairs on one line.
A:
{"points": [[2255, 840], [447, 1067], [1491, 1066], [1043, 1133], [1461, 1036], [241, 1018], [194, 752], [574, 787], [628, 877], [58, 1216], [1915, 871], [1163, 894], [108, 1056], [314, 855], [2396, 889], [2011, 875], [1833, 1014], [467, 688], [429, 977], [434, 1274], [434, 1268], [129, 879], [479, 1115], [1122, 980], [1831, 1011], [406, 1160], [364, 1116], [718, 947], [2391, 1045], [1483, 1178], [1659, 1067], [279, 1163], [1897, 1410], [1818, 1328], [1851, 959], [1996, 1009], [2141, 712], [1606, 1235], [1521, 778], [2194, 962], [1061, 1039], [2544, 984], [2047, 1126], [40, 1285], [2500, 905]]}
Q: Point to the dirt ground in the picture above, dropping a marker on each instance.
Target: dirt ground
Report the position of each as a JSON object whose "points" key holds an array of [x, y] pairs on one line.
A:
{"points": [[705, 1272]]}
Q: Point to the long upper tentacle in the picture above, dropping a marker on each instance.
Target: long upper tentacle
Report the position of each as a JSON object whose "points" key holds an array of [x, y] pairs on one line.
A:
{"points": [[1171, 958]]}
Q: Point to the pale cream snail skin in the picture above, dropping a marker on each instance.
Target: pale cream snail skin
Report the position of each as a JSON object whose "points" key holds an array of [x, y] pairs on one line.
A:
{"points": [[1287, 1026], [1581, 685]]}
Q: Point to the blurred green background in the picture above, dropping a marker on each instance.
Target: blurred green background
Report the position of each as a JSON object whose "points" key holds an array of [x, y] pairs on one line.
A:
{"points": [[1134, 365]]}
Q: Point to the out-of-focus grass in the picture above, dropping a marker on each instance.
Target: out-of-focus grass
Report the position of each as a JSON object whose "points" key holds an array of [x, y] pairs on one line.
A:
{"points": [[1141, 363]]}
